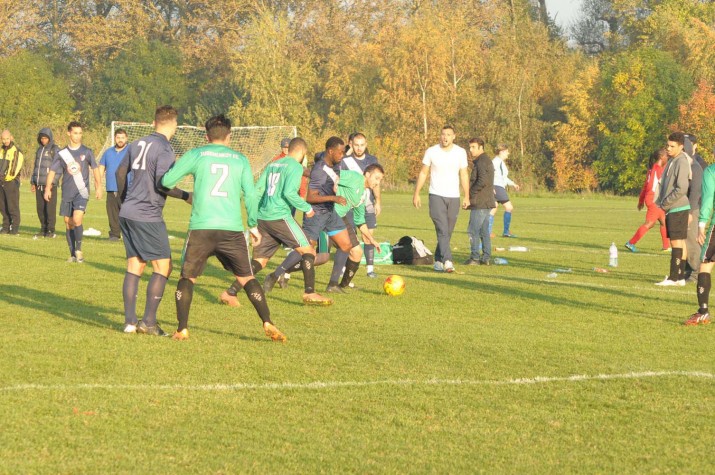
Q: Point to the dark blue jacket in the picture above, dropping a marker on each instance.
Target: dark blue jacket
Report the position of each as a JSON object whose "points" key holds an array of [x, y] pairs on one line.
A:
{"points": [[43, 160]]}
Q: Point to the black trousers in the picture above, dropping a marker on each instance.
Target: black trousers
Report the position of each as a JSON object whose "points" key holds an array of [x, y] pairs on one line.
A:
{"points": [[10, 205], [113, 204], [46, 210]]}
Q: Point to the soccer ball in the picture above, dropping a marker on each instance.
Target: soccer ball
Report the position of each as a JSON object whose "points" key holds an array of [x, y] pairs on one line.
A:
{"points": [[394, 285]]}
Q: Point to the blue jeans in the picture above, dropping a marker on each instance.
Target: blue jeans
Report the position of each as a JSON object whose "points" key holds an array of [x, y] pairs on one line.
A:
{"points": [[478, 231]]}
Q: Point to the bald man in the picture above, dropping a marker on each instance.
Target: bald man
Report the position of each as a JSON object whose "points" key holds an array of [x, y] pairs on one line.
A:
{"points": [[10, 165]]}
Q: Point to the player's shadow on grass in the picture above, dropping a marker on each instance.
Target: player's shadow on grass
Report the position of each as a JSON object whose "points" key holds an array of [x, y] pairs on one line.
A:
{"points": [[541, 266], [70, 309], [510, 292], [554, 242], [562, 225]]}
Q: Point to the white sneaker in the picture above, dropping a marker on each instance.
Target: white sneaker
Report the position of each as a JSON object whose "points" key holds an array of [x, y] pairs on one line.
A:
{"points": [[79, 256], [671, 283], [438, 266], [448, 266], [129, 328]]}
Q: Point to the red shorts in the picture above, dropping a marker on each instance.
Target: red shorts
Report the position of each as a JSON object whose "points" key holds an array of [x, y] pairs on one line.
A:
{"points": [[654, 213]]}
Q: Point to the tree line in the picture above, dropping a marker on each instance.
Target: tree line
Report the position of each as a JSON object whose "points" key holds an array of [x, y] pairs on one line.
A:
{"points": [[580, 108]]}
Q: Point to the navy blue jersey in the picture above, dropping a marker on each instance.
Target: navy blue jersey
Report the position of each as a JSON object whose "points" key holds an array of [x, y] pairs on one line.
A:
{"points": [[148, 159], [75, 171], [323, 178], [358, 164]]}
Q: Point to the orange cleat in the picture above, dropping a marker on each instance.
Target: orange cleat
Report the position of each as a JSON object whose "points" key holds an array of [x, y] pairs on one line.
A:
{"points": [[316, 299], [181, 335], [273, 333], [697, 319], [230, 300]]}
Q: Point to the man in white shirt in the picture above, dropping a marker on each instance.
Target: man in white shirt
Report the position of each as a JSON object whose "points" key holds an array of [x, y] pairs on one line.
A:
{"points": [[446, 164], [501, 181]]}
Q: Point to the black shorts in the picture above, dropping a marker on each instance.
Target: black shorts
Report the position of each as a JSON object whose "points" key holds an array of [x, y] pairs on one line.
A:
{"points": [[229, 247], [147, 241], [500, 194], [707, 255], [352, 234], [279, 232], [677, 224]]}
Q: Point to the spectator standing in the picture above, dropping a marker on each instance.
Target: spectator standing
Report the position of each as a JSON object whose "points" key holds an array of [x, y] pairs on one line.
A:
{"points": [[46, 210], [481, 202], [11, 159], [109, 164]]}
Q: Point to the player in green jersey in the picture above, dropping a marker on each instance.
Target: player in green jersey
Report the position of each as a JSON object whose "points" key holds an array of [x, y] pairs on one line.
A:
{"points": [[706, 226], [355, 188], [277, 189], [221, 176]]}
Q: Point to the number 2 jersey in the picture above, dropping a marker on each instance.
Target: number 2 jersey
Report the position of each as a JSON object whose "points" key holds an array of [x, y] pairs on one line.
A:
{"points": [[221, 176], [147, 159]]}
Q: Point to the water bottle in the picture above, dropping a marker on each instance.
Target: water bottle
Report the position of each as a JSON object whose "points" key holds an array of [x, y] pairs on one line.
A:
{"points": [[500, 261], [518, 249], [613, 255]]}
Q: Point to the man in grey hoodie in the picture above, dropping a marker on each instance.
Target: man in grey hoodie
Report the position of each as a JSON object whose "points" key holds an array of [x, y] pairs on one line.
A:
{"points": [[694, 196], [46, 210], [673, 199]]}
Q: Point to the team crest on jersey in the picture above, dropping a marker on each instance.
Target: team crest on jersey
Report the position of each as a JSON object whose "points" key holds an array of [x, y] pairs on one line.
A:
{"points": [[73, 168], [81, 157]]}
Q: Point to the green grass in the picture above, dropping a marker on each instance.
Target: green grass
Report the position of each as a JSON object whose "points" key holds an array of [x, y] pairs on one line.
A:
{"points": [[443, 358]]}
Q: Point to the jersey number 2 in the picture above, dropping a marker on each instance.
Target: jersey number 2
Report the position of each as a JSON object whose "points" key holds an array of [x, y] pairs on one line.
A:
{"points": [[217, 168]]}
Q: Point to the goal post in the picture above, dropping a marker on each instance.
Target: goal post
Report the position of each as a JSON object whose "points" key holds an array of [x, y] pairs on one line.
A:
{"points": [[260, 144]]}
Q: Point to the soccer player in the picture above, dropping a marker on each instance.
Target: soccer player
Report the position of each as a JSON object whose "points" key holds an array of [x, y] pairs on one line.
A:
{"points": [[141, 220], [706, 221], [501, 181], [278, 189], [221, 175], [359, 160], [647, 197], [446, 163], [673, 199], [74, 162], [110, 162], [322, 197]]}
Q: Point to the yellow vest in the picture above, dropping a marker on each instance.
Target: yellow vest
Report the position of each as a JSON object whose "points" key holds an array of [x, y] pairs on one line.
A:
{"points": [[15, 157]]}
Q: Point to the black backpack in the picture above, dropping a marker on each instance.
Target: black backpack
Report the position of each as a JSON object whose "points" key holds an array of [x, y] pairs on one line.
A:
{"points": [[411, 251]]}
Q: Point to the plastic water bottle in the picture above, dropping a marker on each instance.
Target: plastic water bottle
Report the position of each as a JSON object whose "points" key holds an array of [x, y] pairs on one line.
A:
{"points": [[500, 261], [613, 255], [518, 249]]}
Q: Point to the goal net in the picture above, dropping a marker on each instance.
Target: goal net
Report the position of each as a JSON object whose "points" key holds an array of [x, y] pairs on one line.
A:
{"points": [[259, 144]]}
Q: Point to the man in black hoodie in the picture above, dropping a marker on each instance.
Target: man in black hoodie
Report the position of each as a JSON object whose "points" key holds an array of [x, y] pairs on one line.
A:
{"points": [[46, 210], [481, 202]]}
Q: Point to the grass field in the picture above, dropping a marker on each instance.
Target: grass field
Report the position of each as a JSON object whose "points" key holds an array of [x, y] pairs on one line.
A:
{"points": [[478, 371]]}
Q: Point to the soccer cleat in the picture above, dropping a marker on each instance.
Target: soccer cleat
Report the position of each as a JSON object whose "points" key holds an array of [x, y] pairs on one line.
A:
{"points": [[230, 300], [671, 283], [283, 282], [334, 289], [181, 335], [273, 333], [697, 319], [316, 299], [38, 236], [448, 267], [372, 275], [130, 328], [508, 235], [154, 330], [269, 283], [71, 259], [666, 250], [472, 262], [79, 256], [50, 235], [438, 266], [631, 247]]}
